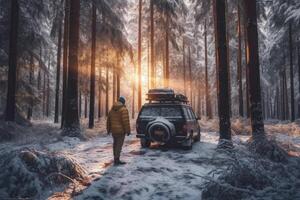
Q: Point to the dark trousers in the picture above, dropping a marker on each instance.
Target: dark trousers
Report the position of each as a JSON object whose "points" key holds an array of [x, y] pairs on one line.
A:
{"points": [[117, 145]]}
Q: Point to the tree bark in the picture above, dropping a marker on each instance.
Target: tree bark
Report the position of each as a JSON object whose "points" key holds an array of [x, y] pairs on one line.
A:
{"points": [[107, 93], [31, 77], [93, 67], [58, 64], [298, 51], [223, 71], [239, 66], [48, 90], [167, 81], [13, 60], [184, 67], [207, 90], [140, 57], [152, 76], [190, 77], [72, 124], [257, 123], [291, 72], [100, 94], [118, 77], [65, 60]]}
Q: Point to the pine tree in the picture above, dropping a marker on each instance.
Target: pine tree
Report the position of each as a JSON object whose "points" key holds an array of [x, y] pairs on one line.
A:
{"points": [[58, 63], [12, 70], [207, 91], [65, 60], [223, 70], [93, 67], [253, 69], [140, 57], [72, 124]]}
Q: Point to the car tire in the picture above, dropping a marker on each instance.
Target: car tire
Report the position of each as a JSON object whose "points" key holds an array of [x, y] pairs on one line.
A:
{"points": [[198, 137], [145, 143]]}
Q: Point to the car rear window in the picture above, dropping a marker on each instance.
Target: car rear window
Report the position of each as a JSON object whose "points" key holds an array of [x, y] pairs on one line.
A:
{"points": [[155, 111]]}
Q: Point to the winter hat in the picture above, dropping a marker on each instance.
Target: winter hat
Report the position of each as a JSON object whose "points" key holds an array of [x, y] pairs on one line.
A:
{"points": [[122, 100]]}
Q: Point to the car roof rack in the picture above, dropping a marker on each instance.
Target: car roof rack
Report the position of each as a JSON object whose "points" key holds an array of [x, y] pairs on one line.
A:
{"points": [[165, 96]]}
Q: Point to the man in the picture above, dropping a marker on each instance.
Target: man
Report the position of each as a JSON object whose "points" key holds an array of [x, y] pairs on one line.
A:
{"points": [[118, 124]]}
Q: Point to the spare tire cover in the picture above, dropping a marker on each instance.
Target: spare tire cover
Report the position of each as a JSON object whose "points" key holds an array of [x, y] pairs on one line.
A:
{"points": [[160, 130]]}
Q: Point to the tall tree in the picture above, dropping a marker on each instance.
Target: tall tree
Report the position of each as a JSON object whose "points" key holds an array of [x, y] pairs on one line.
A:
{"points": [[167, 34], [298, 52], [58, 64], [257, 123], [184, 66], [12, 70], [207, 91], [31, 77], [223, 70], [239, 65], [65, 60], [291, 71], [190, 76], [152, 64], [93, 67], [72, 124], [140, 57]]}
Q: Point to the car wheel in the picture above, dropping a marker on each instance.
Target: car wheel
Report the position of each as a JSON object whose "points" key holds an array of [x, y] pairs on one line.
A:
{"points": [[198, 137], [145, 143]]}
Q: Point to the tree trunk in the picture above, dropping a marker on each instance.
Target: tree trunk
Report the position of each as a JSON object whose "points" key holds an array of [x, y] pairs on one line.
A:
{"points": [[13, 61], [44, 93], [58, 63], [247, 73], [207, 91], [65, 60], [72, 124], [106, 93], [291, 72], [133, 94], [152, 76], [167, 69], [239, 66], [118, 77], [298, 51], [184, 67], [190, 77], [93, 67], [199, 99], [48, 90], [253, 68], [31, 75], [85, 105], [100, 94], [223, 71], [140, 57]]}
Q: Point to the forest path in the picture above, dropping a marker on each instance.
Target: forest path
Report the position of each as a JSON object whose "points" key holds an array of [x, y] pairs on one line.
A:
{"points": [[153, 173]]}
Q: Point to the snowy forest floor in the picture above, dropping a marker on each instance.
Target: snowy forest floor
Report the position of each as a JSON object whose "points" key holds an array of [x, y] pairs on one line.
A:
{"points": [[155, 173]]}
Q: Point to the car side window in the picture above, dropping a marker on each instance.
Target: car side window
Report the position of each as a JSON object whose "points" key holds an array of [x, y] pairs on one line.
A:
{"points": [[186, 113], [192, 115]]}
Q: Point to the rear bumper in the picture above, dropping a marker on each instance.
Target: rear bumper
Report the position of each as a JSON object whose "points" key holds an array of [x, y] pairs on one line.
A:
{"points": [[176, 138]]}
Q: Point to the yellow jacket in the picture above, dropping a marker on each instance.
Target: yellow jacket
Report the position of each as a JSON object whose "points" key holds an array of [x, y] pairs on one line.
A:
{"points": [[118, 119]]}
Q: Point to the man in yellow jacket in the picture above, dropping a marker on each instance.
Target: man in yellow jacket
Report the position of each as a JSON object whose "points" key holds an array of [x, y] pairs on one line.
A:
{"points": [[118, 124]]}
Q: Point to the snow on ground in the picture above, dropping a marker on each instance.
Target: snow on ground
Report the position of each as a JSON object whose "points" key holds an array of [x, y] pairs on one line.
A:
{"points": [[154, 173]]}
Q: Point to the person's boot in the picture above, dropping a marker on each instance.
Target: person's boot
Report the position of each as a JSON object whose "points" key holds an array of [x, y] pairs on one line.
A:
{"points": [[119, 162]]}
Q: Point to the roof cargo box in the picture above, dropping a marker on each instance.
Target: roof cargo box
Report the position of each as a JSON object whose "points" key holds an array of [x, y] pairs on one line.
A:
{"points": [[165, 95]]}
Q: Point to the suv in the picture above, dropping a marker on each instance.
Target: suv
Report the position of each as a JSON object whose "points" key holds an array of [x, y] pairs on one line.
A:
{"points": [[167, 118]]}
